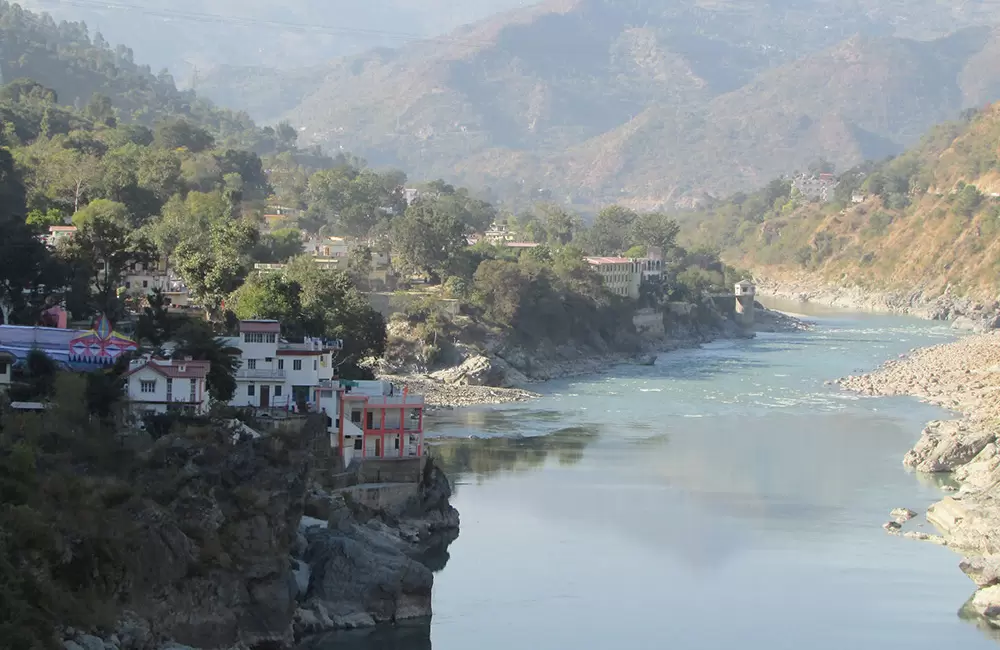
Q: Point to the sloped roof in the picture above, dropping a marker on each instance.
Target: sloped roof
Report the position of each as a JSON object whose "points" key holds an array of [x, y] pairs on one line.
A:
{"points": [[176, 369]]}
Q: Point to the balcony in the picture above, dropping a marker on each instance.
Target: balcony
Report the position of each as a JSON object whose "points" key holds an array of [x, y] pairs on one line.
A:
{"points": [[264, 373]]}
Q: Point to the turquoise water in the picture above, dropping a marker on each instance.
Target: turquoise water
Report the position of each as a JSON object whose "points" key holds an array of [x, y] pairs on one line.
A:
{"points": [[723, 498]]}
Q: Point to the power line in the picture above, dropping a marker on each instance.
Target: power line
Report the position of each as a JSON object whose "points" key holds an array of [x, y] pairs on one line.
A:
{"points": [[194, 16]]}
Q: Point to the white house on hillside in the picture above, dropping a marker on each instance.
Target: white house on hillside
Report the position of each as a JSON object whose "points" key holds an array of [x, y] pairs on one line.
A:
{"points": [[277, 374], [159, 385]]}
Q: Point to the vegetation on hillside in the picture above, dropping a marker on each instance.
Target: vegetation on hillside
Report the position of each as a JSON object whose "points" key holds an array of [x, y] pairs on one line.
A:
{"points": [[926, 220], [651, 103]]}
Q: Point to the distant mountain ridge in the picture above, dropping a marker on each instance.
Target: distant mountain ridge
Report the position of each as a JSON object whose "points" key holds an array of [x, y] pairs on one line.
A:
{"points": [[587, 101]]}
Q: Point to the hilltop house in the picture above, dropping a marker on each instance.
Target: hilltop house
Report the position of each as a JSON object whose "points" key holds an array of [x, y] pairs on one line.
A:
{"points": [[815, 187], [161, 385]]}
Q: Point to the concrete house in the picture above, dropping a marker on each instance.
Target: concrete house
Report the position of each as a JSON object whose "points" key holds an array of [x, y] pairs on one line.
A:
{"points": [[162, 385], [379, 421], [277, 374]]}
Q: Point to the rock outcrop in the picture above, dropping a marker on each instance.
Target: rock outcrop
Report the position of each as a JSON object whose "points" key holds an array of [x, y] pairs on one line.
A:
{"points": [[220, 559], [368, 567], [963, 376]]}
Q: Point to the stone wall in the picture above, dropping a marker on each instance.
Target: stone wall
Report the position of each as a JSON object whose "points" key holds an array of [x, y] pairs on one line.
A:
{"points": [[407, 470], [383, 497], [649, 322]]}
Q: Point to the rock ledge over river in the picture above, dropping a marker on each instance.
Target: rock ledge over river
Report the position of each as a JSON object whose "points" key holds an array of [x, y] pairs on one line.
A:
{"points": [[963, 376]]}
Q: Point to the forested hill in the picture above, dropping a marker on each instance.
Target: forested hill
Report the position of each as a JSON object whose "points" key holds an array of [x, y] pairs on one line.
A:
{"points": [[924, 222], [66, 58]]}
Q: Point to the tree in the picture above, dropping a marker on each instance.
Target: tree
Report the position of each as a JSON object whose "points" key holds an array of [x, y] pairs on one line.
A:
{"points": [[335, 309], [612, 230], [104, 248], [359, 266], [656, 230], [500, 287], [23, 258], [179, 133], [101, 110], [560, 225], [427, 239], [27, 91], [156, 325], [197, 340], [40, 221], [214, 264], [279, 246], [270, 297]]}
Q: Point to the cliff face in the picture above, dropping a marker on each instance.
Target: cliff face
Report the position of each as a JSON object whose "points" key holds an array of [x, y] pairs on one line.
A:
{"points": [[211, 564], [216, 552]]}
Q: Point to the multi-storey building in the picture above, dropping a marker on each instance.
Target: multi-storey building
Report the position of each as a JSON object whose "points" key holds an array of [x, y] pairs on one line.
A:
{"points": [[621, 275], [375, 419], [277, 374]]}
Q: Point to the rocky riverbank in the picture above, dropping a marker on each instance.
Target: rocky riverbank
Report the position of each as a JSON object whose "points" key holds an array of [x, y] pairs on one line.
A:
{"points": [[504, 373], [963, 376], [963, 312]]}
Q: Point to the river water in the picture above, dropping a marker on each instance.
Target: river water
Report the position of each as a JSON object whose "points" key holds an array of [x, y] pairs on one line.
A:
{"points": [[724, 498]]}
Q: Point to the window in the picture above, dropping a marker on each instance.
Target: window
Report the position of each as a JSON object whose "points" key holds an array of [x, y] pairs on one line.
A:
{"points": [[277, 391], [396, 445], [251, 364], [357, 444], [259, 337], [268, 359], [170, 389], [297, 364], [145, 284], [128, 285], [3, 368], [251, 390], [315, 364], [194, 390], [147, 386], [281, 364]]}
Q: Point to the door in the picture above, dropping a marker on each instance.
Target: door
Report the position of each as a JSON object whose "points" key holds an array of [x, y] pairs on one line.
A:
{"points": [[378, 448], [265, 397]]}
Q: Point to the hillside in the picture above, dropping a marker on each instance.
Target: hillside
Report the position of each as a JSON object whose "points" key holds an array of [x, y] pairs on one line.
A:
{"points": [[68, 59], [929, 222], [588, 100], [186, 36]]}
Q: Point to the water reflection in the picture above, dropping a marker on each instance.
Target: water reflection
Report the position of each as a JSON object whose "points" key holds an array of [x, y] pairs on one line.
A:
{"points": [[484, 458], [407, 636]]}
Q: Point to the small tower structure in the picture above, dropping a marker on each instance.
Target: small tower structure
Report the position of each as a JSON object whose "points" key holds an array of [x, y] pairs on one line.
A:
{"points": [[746, 295]]}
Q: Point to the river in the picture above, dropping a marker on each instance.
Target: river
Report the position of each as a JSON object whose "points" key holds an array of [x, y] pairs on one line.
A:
{"points": [[725, 497]]}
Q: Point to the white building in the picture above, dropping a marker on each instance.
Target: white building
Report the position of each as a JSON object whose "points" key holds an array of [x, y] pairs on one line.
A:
{"points": [[816, 187], [161, 385], [277, 374], [59, 234]]}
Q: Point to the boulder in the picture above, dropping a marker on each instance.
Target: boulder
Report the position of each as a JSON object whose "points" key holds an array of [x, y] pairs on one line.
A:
{"points": [[986, 603], [945, 446], [482, 371], [983, 570], [902, 515], [361, 576]]}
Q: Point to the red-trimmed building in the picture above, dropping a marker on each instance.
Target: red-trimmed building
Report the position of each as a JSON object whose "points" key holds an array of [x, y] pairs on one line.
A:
{"points": [[373, 419], [161, 385]]}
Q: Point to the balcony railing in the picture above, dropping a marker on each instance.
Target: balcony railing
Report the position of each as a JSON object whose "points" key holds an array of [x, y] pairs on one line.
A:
{"points": [[265, 373]]}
